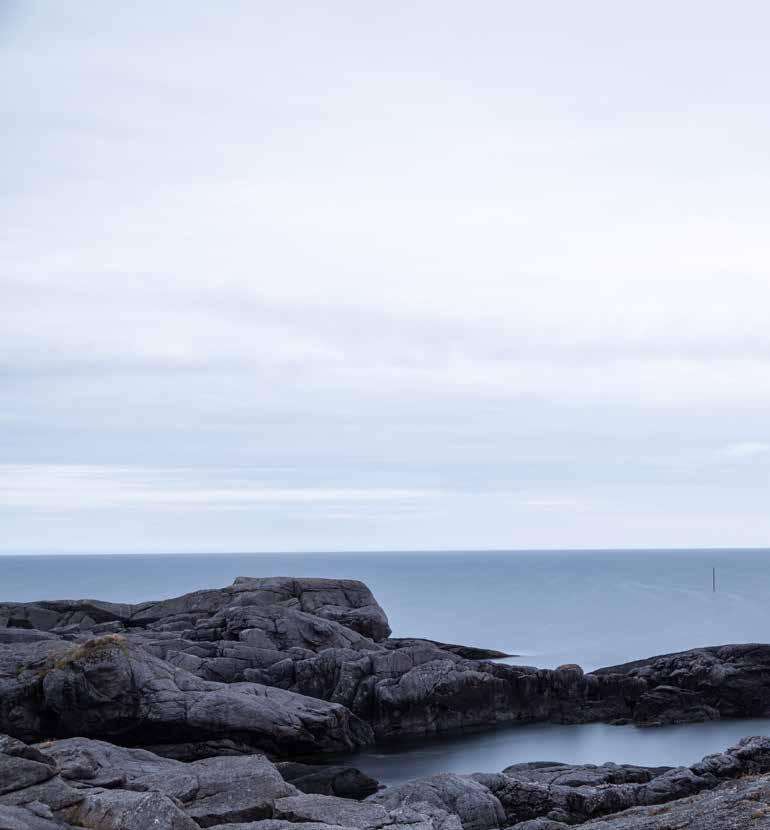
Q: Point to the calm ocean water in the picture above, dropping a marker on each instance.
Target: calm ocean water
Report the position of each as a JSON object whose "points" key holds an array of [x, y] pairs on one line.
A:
{"points": [[591, 608]]}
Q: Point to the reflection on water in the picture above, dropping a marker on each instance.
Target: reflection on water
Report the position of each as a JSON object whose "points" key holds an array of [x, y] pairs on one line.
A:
{"points": [[492, 750]]}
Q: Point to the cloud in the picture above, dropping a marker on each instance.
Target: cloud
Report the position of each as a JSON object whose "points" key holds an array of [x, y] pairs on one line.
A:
{"points": [[378, 261], [86, 487], [744, 449]]}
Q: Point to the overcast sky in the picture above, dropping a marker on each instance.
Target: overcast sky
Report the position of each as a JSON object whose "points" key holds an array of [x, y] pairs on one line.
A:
{"points": [[362, 276]]}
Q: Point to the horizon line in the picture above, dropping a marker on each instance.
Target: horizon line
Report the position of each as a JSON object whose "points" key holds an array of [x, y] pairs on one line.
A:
{"points": [[389, 551]]}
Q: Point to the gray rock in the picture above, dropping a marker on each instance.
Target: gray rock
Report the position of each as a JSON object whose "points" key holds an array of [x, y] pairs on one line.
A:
{"points": [[577, 775], [259, 640], [405, 817], [21, 669], [93, 784], [211, 791], [330, 810], [347, 602], [472, 802], [670, 704], [101, 764], [32, 817], [9, 636], [559, 793], [732, 681], [29, 777], [278, 628], [236, 789], [320, 812], [110, 687], [737, 805], [18, 773], [466, 652], [127, 810], [342, 781]]}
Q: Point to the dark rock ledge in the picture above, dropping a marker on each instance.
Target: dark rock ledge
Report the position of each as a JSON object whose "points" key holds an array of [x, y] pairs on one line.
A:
{"points": [[243, 681]]}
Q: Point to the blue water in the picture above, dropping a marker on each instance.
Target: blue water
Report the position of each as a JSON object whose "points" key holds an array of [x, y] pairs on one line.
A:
{"points": [[591, 608], [492, 750]]}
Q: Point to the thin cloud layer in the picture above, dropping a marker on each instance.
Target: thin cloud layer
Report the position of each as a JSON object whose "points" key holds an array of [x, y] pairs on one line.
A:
{"points": [[455, 269]]}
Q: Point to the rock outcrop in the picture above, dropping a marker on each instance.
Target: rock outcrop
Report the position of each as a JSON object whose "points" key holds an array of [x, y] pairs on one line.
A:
{"points": [[83, 783], [203, 710], [110, 687], [293, 666], [731, 681]]}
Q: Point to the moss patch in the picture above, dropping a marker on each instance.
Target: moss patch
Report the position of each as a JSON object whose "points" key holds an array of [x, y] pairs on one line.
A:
{"points": [[88, 652]]}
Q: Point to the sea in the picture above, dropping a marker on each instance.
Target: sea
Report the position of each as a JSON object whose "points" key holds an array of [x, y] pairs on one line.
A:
{"points": [[593, 608]]}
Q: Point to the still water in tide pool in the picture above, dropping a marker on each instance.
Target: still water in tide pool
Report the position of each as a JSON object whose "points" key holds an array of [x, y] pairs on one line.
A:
{"points": [[494, 749]]}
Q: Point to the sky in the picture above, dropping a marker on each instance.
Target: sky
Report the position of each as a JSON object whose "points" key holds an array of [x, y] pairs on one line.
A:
{"points": [[286, 276]]}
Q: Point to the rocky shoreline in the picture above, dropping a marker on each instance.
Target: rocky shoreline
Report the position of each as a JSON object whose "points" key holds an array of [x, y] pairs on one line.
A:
{"points": [[196, 712]]}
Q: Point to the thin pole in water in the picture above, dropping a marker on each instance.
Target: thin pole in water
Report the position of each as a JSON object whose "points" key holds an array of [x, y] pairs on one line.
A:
{"points": [[714, 580]]}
